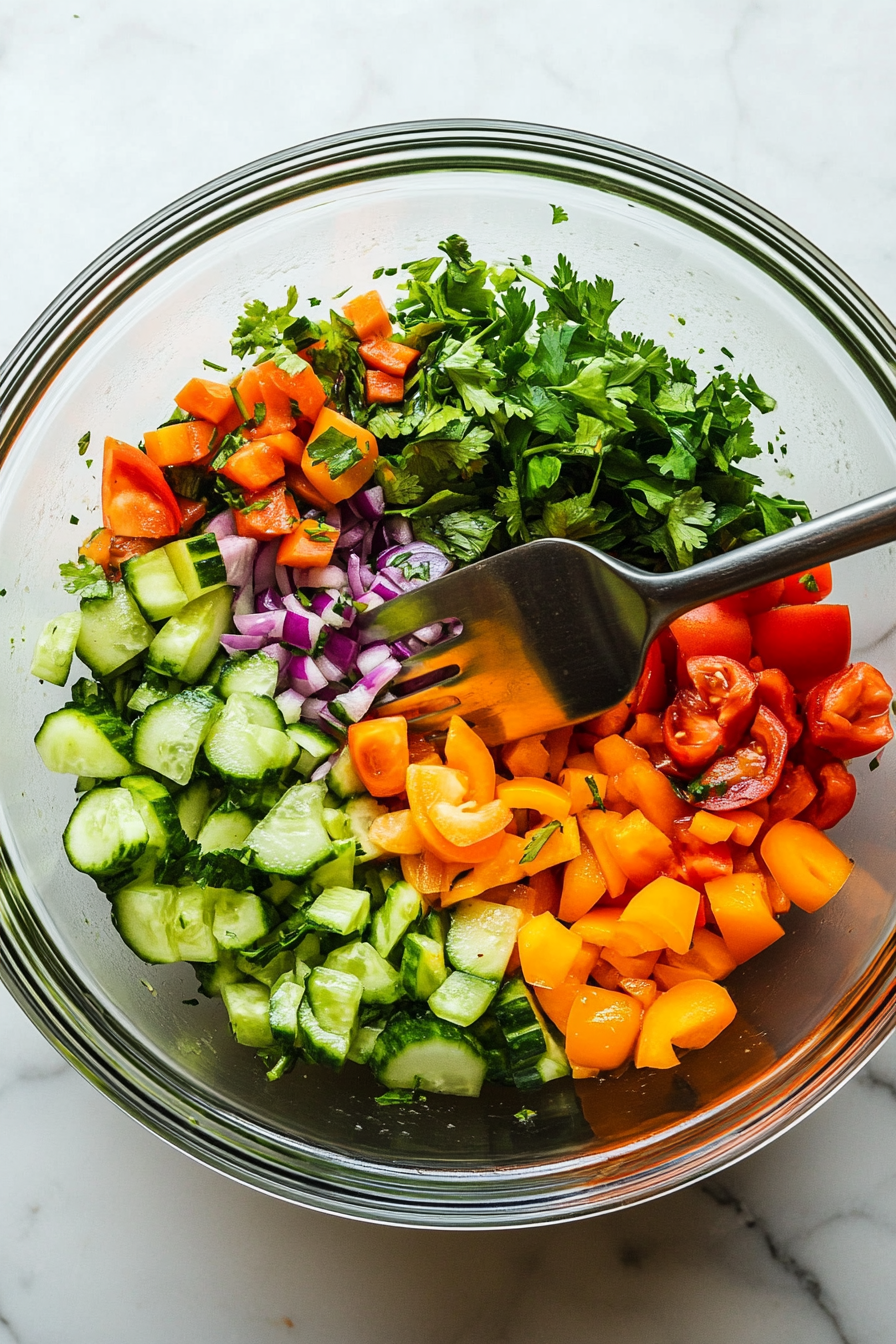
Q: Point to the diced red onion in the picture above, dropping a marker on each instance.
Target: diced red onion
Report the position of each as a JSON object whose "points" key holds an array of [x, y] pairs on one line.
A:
{"points": [[304, 677], [367, 544], [333, 518], [301, 629], [283, 579], [244, 601], [371, 657], [429, 634], [279, 653], [269, 600], [333, 609], [355, 584], [352, 705], [327, 668], [242, 643], [414, 644], [351, 537], [223, 525], [342, 651], [267, 623], [399, 530], [367, 576], [265, 564], [290, 703], [329, 576], [401, 649], [238, 554], [384, 586], [370, 502], [321, 771]]}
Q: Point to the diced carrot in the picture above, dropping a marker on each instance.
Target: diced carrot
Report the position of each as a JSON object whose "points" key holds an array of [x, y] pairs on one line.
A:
{"points": [[310, 545], [383, 387], [344, 483], [268, 406], [388, 356], [465, 750], [177, 445], [368, 313], [304, 389], [299, 484], [206, 400], [547, 951], [583, 885], [527, 756], [379, 752], [254, 466], [539, 795], [271, 513], [396, 833]]}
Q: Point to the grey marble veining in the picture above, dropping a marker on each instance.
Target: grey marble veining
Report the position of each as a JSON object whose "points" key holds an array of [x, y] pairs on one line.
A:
{"points": [[105, 1233]]}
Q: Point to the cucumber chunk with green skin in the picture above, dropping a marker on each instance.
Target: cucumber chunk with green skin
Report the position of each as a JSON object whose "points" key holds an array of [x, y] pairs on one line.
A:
{"points": [[462, 998], [260, 710], [340, 871], [156, 806], [545, 1068], [291, 840], [214, 975], [335, 999], [329, 1048], [360, 814], [394, 917], [151, 690], [240, 918], [188, 642], [430, 1054], [224, 830], [343, 779], [106, 833], [286, 995], [165, 923], [314, 747], [257, 674], [422, 965], [193, 806], [481, 937], [168, 736], [55, 648], [192, 920], [362, 1044], [338, 826], [198, 564], [520, 1021], [245, 742], [112, 632], [380, 982], [152, 582], [270, 973], [248, 1007], [341, 910], [75, 742]]}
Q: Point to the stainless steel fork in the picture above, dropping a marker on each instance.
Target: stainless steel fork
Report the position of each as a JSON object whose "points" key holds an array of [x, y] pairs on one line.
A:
{"points": [[554, 631]]}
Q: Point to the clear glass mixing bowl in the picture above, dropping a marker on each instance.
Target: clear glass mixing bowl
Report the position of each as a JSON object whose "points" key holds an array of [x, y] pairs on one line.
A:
{"points": [[107, 356]]}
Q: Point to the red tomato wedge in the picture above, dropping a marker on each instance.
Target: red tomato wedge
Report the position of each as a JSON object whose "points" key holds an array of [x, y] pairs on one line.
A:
{"points": [[137, 500]]}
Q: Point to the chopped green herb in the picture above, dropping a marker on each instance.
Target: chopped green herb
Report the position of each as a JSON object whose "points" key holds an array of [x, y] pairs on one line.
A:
{"points": [[874, 763], [314, 303], [73, 520], [240, 404], [90, 461], [260, 412], [401, 1096], [525, 1115], [255, 506], [2, 592], [558, 215], [342, 293], [84, 443], [726, 352], [380, 270], [809, 582], [595, 792], [321, 533], [538, 842], [221, 368], [339, 451]]}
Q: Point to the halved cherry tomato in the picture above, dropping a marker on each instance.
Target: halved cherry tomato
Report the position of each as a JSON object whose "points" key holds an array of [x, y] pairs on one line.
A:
{"points": [[807, 643], [699, 859], [691, 733], [717, 629], [849, 713], [125, 548], [651, 694], [137, 500], [379, 752], [809, 585], [793, 795], [835, 797], [710, 718], [191, 510], [763, 597], [752, 772], [776, 692], [271, 513]]}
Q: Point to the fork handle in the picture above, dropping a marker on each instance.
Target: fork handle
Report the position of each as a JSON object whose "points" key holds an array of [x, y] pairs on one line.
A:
{"points": [[856, 527]]}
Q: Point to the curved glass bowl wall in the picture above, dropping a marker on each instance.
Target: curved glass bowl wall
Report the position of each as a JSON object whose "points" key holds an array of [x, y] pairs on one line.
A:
{"points": [[107, 356]]}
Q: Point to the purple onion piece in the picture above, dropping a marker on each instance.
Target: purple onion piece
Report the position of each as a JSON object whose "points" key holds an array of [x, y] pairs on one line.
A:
{"points": [[269, 600], [293, 603], [342, 650], [429, 634], [244, 601], [367, 576], [333, 518], [399, 531], [279, 653], [265, 564], [289, 703], [355, 582], [384, 587], [304, 676], [321, 771], [371, 657], [238, 554], [242, 643], [327, 668], [352, 705], [414, 644], [283, 579], [400, 649], [301, 629], [370, 502], [267, 623], [223, 525], [351, 537], [367, 544], [329, 576]]}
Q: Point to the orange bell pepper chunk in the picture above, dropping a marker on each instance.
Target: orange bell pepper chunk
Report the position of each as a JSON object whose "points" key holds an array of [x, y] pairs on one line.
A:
{"points": [[583, 760], [301, 486], [614, 754], [546, 886], [563, 845], [267, 407], [556, 744], [605, 975], [304, 389], [643, 990], [740, 907], [602, 1028], [806, 864], [388, 356], [206, 400], [466, 824], [586, 959], [178, 445], [254, 466], [547, 951], [712, 827], [368, 314], [641, 849], [496, 872], [527, 756], [424, 871], [575, 782], [379, 752], [708, 954], [429, 784], [603, 927], [288, 445], [317, 470], [396, 833], [310, 545], [97, 547], [596, 827], [466, 751], [666, 976], [637, 968], [668, 908], [747, 825], [540, 795], [583, 885], [382, 387], [648, 790], [688, 1015], [557, 1003], [271, 513]]}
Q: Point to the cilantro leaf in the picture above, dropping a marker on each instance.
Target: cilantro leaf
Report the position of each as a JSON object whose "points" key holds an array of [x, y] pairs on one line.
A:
{"points": [[754, 394], [537, 842], [467, 533], [575, 517], [473, 375], [685, 529], [509, 507], [86, 577], [262, 328], [339, 451], [84, 443], [558, 215]]}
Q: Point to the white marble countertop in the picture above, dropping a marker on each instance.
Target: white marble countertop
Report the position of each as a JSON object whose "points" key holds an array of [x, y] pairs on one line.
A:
{"points": [[105, 1233]]}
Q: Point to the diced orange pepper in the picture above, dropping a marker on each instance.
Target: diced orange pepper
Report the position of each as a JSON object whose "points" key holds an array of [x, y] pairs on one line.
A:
{"points": [[388, 356], [643, 990], [689, 1015], [708, 953], [556, 744], [647, 789], [540, 795], [646, 731], [712, 827], [556, 1003], [740, 908], [379, 752], [97, 547], [527, 757], [383, 388], [347, 482], [304, 388], [546, 886], [584, 761], [273, 514], [396, 833], [666, 976], [368, 313], [423, 752], [575, 782], [310, 545], [207, 400], [424, 871], [747, 825], [638, 968], [563, 845], [602, 1028], [288, 445], [806, 864], [254, 466], [583, 885], [612, 721], [596, 827], [465, 750], [605, 975], [584, 964], [177, 445], [496, 872], [640, 848], [428, 784], [603, 927], [668, 908], [613, 754], [547, 951], [299, 485], [466, 824], [261, 395]]}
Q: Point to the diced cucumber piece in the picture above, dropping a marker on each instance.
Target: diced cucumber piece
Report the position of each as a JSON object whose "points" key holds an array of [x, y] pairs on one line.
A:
{"points": [[212, 674], [165, 923], [380, 983], [198, 564], [291, 839], [240, 918], [342, 910], [168, 736], [55, 648], [257, 674], [280, 889], [338, 826], [269, 973], [314, 746], [361, 813], [435, 925], [462, 998], [113, 632], [340, 871], [393, 919], [192, 917], [151, 690], [106, 833], [329, 1048], [497, 1057], [74, 742], [335, 999], [545, 1068], [286, 995], [214, 975], [362, 1043], [152, 582], [481, 937], [248, 1007], [156, 806], [193, 806], [308, 950], [240, 747], [422, 965], [84, 783], [520, 1021], [378, 879], [343, 779], [427, 1053], [224, 830], [187, 642]]}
